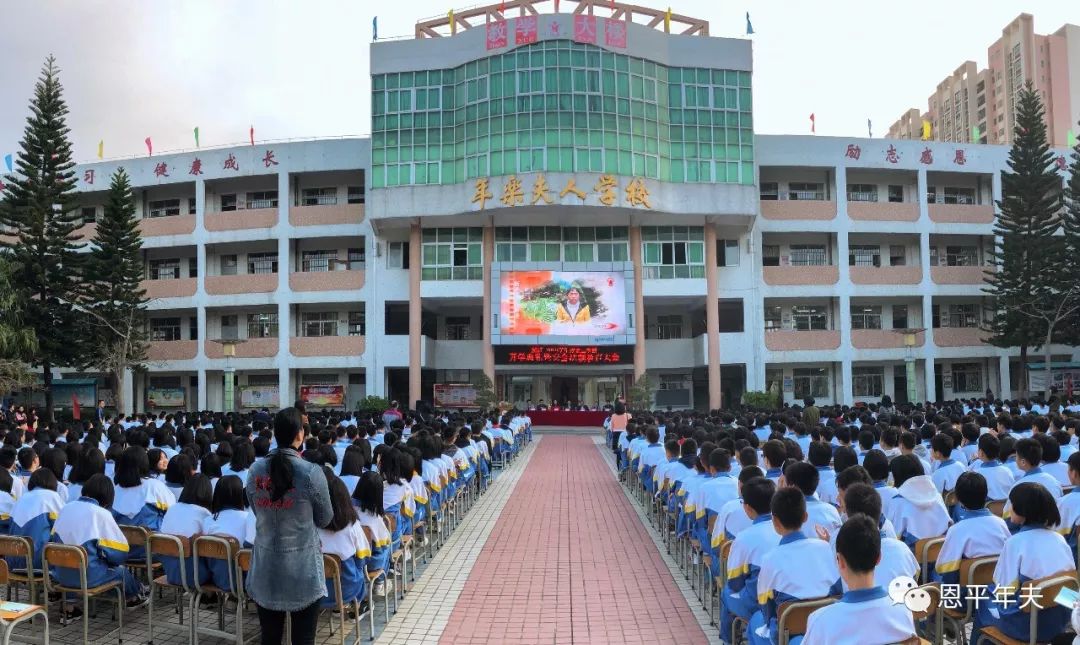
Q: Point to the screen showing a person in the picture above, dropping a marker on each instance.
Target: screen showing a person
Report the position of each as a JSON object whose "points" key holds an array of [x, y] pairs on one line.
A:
{"points": [[562, 303]]}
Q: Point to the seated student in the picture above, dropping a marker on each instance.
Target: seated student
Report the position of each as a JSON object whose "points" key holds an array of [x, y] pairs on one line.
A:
{"points": [[34, 513], [185, 519], [977, 533], [1036, 551], [890, 443], [999, 479], [778, 582], [28, 463], [139, 500], [9, 462], [681, 471], [718, 490], [91, 462], [687, 492], [671, 457], [1068, 505], [1028, 460], [910, 445], [865, 613], [748, 550], [368, 497], [228, 518], [1051, 456], [344, 537], [7, 502], [896, 557], [803, 476], [948, 469], [87, 522], [178, 473], [866, 444], [917, 511], [732, 518], [969, 445], [820, 455], [652, 454], [1008, 455], [243, 455], [775, 454], [55, 459], [398, 501], [877, 466], [211, 467]]}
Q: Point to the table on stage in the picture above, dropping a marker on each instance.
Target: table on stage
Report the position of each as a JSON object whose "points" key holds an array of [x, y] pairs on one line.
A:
{"points": [[568, 418]]}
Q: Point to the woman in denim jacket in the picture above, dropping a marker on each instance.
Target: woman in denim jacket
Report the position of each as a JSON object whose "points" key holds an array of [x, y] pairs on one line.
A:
{"points": [[291, 501]]}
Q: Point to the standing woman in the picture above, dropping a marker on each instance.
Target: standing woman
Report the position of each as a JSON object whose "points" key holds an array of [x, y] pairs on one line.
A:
{"points": [[291, 501], [619, 418]]}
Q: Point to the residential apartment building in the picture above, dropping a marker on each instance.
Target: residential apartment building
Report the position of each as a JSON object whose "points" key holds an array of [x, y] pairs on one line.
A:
{"points": [[602, 156]]}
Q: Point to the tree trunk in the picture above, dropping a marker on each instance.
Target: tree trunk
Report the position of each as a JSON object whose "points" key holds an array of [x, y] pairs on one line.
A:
{"points": [[1046, 358], [118, 390], [1023, 389], [46, 373]]}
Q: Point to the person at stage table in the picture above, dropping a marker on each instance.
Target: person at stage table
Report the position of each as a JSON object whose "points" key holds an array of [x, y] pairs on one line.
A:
{"points": [[555, 405], [529, 404], [541, 405]]}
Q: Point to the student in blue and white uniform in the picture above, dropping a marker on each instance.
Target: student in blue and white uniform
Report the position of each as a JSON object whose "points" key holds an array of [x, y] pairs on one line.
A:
{"points": [[368, 497], [948, 469], [712, 495], [775, 454], [1028, 460], [803, 476], [344, 537], [228, 518], [34, 513], [352, 466], [7, 502], [896, 558], [140, 500], [55, 460], [652, 455], [820, 455], [87, 522], [185, 519], [178, 473], [671, 456], [977, 533], [1051, 455], [917, 511], [415, 462], [91, 462], [778, 581], [877, 466], [748, 551], [999, 479], [865, 613], [1036, 551], [398, 499], [242, 457], [732, 518], [1069, 504]]}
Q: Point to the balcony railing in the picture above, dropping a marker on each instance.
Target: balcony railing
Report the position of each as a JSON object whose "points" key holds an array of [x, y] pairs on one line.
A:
{"points": [[801, 275], [222, 285], [262, 203], [172, 350], [318, 200], [856, 196]]}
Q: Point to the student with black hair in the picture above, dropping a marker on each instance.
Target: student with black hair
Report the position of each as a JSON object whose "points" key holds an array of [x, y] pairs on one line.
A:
{"points": [[816, 575], [1069, 503], [185, 519], [140, 499], [158, 461], [775, 454], [55, 459], [865, 613], [999, 479], [34, 513], [804, 477], [352, 466], [87, 522], [243, 455], [398, 501], [977, 532], [7, 501], [1051, 456], [820, 455], [344, 537], [91, 462], [210, 465], [179, 473], [877, 466], [28, 462], [896, 558], [1029, 453], [747, 553], [910, 445], [368, 498], [1036, 551], [917, 511], [9, 462], [228, 518], [948, 469]]}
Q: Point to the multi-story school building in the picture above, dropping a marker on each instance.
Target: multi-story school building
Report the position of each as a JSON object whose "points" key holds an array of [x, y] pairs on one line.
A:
{"points": [[565, 202]]}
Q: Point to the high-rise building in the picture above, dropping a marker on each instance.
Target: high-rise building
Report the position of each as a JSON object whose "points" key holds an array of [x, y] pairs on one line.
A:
{"points": [[974, 105]]}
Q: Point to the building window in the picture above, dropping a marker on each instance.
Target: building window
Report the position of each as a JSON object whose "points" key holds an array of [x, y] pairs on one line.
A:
{"points": [[228, 203], [318, 196], [356, 194], [770, 191], [897, 255], [316, 261], [673, 252], [88, 214], [774, 317], [900, 317], [867, 381], [808, 255], [957, 315], [165, 208], [770, 255], [262, 262], [318, 379], [862, 193], [263, 199], [599, 243], [896, 194], [228, 265], [262, 379], [457, 328], [864, 255], [865, 317], [191, 206], [813, 381], [319, 323], [669, 327], [727, 253], [452, 254], [357, 324], [802, 191], [774, 379], [262, 325], [356, 258], [529, 244], [809, 318], [164, 269], [397, 255], [967, 377], [956, 256], [950, 195], [230, 327], [165, 329]]}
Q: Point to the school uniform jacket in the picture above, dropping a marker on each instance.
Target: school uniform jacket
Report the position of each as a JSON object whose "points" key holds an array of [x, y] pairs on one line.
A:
{"points": [[1031, 554], [33, 516], [748, 551], [7, 502], [778, 581], [232, 523], [918, 511], [980, 533], [1069, 507], [380, 540], [946, 474], [999, 479], [861, 616], [143, 505], [350, 545], [84, 523]]}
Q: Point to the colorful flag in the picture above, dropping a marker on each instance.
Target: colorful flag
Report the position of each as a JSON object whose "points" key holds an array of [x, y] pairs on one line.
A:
{"points": [[149, 147], [1071, 138], [927, 130], [667, 21], [7, 162], [869, 129], [196, 136], [76, 412], [749, 27], [375, 28], [101, 149], [453, 24], [502, 6], [613, 5], [251, 135], [813, 123]]}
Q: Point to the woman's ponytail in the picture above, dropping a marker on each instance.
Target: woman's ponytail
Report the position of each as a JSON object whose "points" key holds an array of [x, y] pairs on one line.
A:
{"points": [[287, 424]]}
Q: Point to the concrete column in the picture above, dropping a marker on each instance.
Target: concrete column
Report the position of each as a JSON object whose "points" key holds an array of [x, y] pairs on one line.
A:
{"points": [[127, 386], [639, 303], [414, 315], [929, 372], [202, 389], [847, 389], [286, 394], [488, 257], [712, 316], [1004, 378]]}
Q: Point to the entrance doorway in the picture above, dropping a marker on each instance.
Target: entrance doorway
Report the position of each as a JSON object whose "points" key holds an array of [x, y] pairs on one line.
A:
{"points": [[900, 384], [564, 388]]}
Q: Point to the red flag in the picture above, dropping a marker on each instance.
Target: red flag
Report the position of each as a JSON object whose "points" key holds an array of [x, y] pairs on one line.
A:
{"points": [[613, 5], [149, 146], [502, 6], [251, 135], [813, 124], [76, 412]]}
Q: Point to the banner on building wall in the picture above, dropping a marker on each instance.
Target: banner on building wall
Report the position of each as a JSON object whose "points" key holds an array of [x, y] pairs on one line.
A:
{"points": [[560, 303], [165, 397], [323, 396], [260, 396], [455, 395], [1064, 380]]}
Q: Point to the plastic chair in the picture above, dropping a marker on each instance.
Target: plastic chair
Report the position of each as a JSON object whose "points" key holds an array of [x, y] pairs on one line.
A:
{"points": [[997, 507], [215, 547], [973, 571], [1043, 592], [372, 578], [15, 546], [332, 571], [67, 556], [932, 612], [793, 616], [138, 536], [10, 620], [243, 567], [164, 545], [926, 552]]}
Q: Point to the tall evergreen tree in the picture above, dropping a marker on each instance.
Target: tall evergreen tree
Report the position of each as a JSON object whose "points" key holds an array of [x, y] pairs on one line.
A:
{"points": [[1071, 224], [114, 298], [40, 210], [1027, 252]]}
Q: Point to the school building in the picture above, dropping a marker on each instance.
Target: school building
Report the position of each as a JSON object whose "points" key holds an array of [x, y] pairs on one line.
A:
{"points": [[565, 202]]}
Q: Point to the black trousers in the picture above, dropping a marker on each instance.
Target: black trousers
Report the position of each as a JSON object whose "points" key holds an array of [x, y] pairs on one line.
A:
{"points": [[615, 435], [304, 623]]}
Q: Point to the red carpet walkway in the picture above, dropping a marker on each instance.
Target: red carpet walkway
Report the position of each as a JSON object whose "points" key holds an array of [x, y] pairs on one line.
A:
{"points": [[569, 562]]}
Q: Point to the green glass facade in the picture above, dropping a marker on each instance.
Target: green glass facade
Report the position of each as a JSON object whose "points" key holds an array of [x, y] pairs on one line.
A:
{"points": [[562, 106]]}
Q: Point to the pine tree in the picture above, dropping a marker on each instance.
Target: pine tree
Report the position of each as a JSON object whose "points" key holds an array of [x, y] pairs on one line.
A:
{"points": [[115, 300], [39, 210], [1071, 226], [1027, 252]]}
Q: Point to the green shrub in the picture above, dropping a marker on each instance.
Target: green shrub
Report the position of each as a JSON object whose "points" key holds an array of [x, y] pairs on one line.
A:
{"points": [[761, 400]]}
